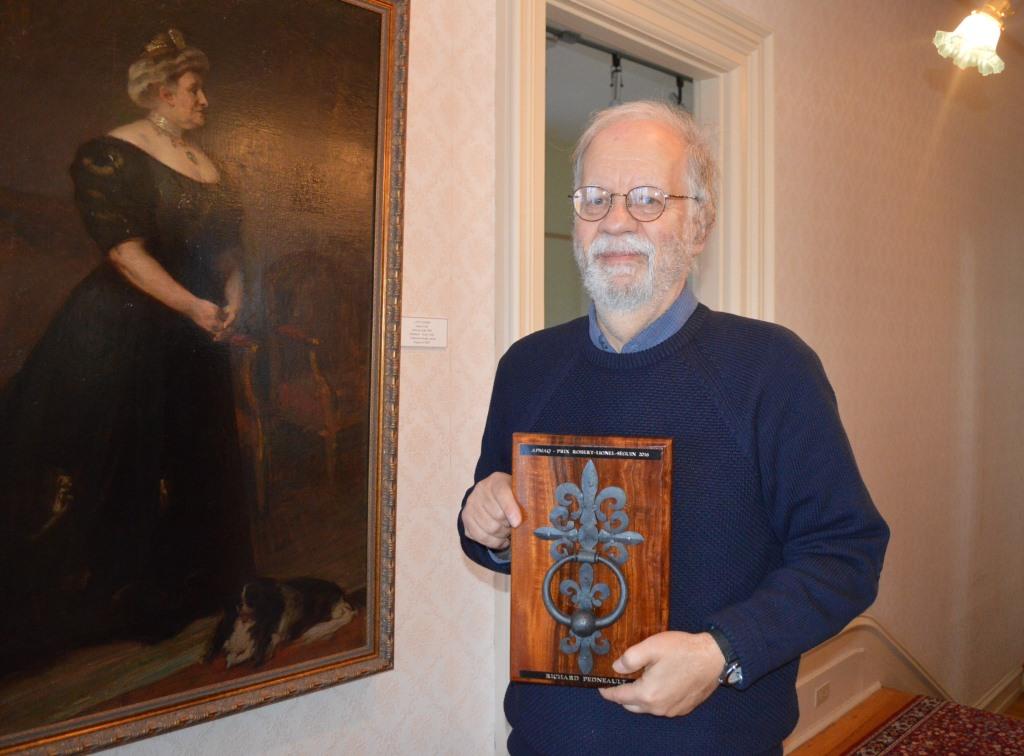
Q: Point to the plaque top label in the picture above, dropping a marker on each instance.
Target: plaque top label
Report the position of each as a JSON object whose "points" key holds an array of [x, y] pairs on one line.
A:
{"points": [[613, 452]]}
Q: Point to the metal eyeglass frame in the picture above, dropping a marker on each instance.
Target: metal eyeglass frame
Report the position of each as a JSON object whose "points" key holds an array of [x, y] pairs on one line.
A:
{"points": [[626, 200]]}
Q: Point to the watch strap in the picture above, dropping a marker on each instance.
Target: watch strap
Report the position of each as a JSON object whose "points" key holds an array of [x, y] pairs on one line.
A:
{"points": [[732, 672]]}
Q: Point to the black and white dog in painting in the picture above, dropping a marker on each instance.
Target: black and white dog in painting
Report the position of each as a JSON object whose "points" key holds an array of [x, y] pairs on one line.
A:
{"points": [[270, 612]]}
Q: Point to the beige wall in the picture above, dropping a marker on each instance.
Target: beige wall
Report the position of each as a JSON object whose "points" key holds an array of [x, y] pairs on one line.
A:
{"points": [[439, 699], [900, 185]]}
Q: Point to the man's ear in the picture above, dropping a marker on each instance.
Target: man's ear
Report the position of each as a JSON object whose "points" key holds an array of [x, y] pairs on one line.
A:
{"points": [[701, 232]]}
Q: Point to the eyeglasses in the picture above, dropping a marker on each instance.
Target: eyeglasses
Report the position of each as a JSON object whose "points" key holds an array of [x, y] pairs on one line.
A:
{"points": [[644, 203]]}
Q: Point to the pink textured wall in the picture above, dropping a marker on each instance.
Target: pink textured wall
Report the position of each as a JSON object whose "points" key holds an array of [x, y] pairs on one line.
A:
{"points": [[899, 199]]}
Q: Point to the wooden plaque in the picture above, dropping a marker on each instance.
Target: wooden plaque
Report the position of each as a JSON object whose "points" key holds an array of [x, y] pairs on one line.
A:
{"points": [[596, 515]]}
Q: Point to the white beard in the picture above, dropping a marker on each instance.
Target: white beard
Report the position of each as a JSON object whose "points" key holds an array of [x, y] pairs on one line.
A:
{"points": [[620, 288]]}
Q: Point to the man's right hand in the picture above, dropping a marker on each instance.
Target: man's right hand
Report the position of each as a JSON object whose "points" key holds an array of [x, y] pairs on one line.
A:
{"points": [[491, 512]]}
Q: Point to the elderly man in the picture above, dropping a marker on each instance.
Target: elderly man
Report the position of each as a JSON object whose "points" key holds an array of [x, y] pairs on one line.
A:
{"points": [[776, 544]]}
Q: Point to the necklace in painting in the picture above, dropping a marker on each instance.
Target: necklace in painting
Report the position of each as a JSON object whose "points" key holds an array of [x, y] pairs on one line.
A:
{"points": [[172, 132]]}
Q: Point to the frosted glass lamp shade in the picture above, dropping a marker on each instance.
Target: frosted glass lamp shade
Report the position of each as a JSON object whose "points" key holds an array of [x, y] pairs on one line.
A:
{"points": [[973, 43]]}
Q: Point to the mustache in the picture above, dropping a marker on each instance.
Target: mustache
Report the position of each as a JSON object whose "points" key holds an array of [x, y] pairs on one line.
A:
{"points": [[604, 244]]}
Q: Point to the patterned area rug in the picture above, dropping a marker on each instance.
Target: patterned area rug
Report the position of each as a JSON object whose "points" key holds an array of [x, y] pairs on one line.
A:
{"points": [[930, 726]]}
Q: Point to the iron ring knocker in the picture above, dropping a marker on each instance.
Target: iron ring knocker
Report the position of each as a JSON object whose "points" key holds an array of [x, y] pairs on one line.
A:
{"points": [[583, 622]]}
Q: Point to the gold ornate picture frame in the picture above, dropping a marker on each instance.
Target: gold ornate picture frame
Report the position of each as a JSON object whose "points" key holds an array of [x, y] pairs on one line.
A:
{"points": [[305, 123]]}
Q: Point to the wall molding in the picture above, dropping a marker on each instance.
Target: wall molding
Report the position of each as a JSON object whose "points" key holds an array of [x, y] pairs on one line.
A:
{"points": [[519, 237], [858, 661], [866, 624], [880, 661], [1000, 696]]}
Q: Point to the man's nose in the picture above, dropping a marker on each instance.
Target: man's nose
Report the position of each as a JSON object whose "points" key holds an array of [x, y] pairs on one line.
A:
{"points": [[202, 98], [618, 219]]}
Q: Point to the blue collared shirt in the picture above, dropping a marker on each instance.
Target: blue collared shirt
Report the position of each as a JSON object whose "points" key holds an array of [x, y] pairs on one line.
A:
{"points": [[666, 324]]}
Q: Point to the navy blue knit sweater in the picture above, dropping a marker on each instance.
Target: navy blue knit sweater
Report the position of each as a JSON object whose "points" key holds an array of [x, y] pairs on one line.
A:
{"points": [[775, 539]]}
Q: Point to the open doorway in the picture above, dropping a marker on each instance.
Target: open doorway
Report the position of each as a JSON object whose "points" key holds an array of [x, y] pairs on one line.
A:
{"points": [[729, 58], [582, 76]]}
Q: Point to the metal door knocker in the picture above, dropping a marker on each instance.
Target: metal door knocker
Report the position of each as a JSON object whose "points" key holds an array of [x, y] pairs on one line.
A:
{"points": [[581, 529]]}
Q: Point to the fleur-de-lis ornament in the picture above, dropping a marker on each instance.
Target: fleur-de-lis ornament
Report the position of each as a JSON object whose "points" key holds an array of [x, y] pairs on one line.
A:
{"points": [[583, 532]]}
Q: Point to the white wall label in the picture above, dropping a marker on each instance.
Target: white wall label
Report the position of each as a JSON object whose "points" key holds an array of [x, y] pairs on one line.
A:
{"points": [[430, 333]]}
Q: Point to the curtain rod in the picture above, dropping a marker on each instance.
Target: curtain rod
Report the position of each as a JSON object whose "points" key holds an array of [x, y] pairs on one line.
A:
{"points": [[573, 38]]}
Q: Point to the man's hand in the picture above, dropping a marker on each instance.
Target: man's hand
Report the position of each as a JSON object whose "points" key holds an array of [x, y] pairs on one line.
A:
{"points": [[680, 671], [492, 511]]}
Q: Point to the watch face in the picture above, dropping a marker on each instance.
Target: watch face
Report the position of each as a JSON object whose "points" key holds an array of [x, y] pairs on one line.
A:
{"points": [[732, 674]]}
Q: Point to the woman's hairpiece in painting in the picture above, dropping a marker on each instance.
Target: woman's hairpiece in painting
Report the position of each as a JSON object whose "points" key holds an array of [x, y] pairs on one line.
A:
{"points": [[166, 57]]}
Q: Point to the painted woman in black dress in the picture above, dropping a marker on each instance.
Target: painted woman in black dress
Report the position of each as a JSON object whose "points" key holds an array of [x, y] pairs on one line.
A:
{"points": [[120, 494]]}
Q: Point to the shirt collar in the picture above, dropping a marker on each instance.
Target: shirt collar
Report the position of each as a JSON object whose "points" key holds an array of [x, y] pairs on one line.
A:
{"points": [[664, 326]]}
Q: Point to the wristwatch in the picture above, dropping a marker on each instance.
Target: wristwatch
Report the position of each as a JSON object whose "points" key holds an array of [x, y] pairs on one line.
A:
{"points": [[732, 672]]}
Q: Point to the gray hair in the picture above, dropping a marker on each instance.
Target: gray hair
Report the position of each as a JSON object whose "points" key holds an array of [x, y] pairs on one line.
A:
{"points": [[166, 59], [701, 170]]}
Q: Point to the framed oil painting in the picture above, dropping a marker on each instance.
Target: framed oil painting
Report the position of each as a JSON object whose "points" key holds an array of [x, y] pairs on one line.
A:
{"points": [[200, 243]]}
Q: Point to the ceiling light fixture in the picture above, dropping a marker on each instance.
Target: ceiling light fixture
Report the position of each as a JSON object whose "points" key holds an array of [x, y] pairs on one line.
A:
{"points": [[973, 43]]}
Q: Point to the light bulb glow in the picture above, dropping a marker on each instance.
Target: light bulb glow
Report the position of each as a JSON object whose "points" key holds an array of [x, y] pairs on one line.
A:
{"points": [[973, 43]]}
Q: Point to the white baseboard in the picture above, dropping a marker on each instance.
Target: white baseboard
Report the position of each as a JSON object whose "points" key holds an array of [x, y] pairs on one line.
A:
{"points": [[808, 729], [861, 659], [1003, 693], [839, 675]]}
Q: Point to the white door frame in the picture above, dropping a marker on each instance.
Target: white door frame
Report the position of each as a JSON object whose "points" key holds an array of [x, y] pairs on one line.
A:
{"points": [[730, 59]]}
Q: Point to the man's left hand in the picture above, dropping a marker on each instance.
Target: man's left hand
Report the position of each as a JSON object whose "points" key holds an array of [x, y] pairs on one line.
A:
{"points": [[680, 670]]}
